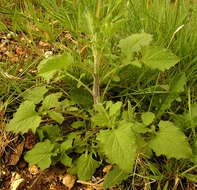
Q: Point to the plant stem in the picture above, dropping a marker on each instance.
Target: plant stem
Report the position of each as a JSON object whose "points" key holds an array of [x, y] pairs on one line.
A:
{"points": [[96, 85], [81, 83], [98, 8]]}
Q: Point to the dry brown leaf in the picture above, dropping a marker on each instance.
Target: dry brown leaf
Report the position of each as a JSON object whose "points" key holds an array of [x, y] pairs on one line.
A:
{"points": [[20, 51], [14, 158], [46, 34], [29, 140], [89, 188], [44, 44], [16, 182], [107, 168]]}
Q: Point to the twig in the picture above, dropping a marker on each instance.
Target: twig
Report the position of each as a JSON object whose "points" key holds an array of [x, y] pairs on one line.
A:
{"points": [[173, 35], [89, 184]]}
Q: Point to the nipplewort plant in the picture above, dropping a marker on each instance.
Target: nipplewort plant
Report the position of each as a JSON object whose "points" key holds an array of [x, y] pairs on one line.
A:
{"points": [[104, 130]]}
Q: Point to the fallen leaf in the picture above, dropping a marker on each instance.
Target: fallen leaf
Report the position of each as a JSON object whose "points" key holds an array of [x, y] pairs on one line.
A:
{"points": [[29, 140], [89, 188], [44, 44], [46, 34], [14, 158], [16, 182], [107, 168], [20, 50]]}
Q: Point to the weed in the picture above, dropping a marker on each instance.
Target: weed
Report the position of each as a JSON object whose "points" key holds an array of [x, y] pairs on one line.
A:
{"points": [[124, 90]]}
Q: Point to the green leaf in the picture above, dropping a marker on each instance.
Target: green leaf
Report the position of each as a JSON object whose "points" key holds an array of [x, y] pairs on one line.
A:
{"points": [[72, 108], [116, 78], [66, 160], [56, 116], [101, 118], [40, 155], [114, 177], [130, 112], [51, 132], [191, 177], [119, 145], [24, 119], [142, 146], [176, 86], [148, 118], [194, 151], [134, 42], [3, 28], [170, 141], [78, 124], [51, 101], [81, 97], [193, 115], [67, 144], [86, 166], [48, 67], [136, 63], [115, 109], [178, 83], [35, 95], [158, 58], [140, 127]]}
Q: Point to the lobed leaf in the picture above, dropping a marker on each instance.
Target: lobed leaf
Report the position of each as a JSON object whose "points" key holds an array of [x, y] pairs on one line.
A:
{"points": [[48, 67], [134, 42], [36, 94], [51, 101], [24, 119], [119, 145], [86, 166], [170, 141], [115, 109], [81, 97], [158, 58], [67, 144], [56, 116], [176, 86], [40, 155], [148, 118], [52, 132], [66, 160], [102, 117], [114, 177]]}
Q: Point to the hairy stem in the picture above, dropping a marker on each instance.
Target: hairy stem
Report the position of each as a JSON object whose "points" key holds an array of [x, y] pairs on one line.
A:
{"points": [[96, 85], [99, 2]]}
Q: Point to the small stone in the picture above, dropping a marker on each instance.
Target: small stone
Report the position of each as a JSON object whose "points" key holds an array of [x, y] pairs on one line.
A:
{"points": [[10, 35], [33, 170], [20, 70], [44, 44], [69, 181], [48, 54], [9, 54]]}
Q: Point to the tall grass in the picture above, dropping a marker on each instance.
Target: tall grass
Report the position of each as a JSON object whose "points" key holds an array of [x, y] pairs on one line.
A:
{"points": [[162, 19]]}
